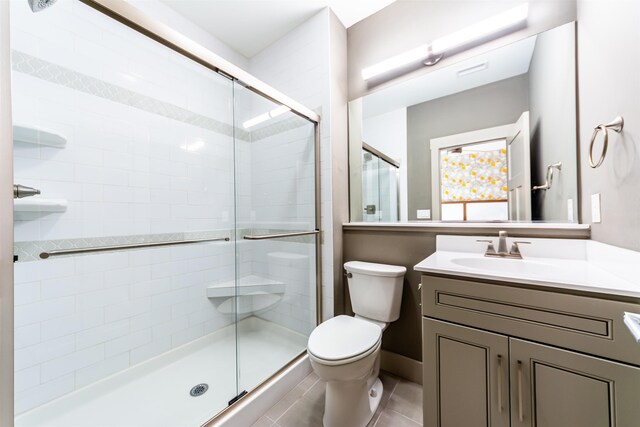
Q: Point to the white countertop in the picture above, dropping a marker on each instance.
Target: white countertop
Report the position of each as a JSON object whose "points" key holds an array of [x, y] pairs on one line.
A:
{"points": [[582, 265], [471, 224]]}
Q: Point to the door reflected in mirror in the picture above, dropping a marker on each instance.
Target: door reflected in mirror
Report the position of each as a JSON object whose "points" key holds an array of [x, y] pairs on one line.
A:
{"points": [[470, 142]]}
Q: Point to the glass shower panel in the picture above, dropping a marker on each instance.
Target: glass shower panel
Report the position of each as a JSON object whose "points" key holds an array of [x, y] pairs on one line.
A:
{"points": [[388, 187], [370, 186], [129, 143], [379, 189], [275, 169]]}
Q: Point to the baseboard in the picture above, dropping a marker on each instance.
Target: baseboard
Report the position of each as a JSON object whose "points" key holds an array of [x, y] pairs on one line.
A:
{"points": [[401, 366]]}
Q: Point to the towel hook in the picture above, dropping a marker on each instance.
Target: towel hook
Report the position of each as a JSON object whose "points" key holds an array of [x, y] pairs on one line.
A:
{"points": [[549, 179], [616, 125]]}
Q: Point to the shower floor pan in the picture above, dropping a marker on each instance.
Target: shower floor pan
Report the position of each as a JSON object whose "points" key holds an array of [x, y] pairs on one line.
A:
{"points": [[157, 392]]}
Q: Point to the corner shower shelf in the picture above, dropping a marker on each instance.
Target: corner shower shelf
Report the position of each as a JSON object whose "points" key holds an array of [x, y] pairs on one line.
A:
{"points": [[33, 135], [246, 285], [252, 294], [39, 205]]}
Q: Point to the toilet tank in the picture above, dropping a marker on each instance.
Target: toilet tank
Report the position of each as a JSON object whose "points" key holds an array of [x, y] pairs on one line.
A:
{"points": [[375, 289]]}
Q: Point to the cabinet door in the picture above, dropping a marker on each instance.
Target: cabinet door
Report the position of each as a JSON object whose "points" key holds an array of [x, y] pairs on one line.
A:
{"points": [[559, 388], [466, 377]]}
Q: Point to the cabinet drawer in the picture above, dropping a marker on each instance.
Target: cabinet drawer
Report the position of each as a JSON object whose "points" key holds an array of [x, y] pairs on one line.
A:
{"points": [[587, 324]]}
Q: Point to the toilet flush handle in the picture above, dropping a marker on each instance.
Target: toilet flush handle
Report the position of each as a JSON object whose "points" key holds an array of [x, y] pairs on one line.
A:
{"points": [[349, 275]]}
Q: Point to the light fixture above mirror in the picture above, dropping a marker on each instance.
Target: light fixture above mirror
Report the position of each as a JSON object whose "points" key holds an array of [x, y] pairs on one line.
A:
{"points": [[431, 53]]}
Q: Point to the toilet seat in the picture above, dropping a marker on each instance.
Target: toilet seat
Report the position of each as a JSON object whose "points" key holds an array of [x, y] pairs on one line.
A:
{"points": [[343, 339]]}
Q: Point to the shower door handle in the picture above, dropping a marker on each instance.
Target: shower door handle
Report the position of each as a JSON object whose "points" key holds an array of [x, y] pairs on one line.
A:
{"points": [[279, 236], [20, 191]]}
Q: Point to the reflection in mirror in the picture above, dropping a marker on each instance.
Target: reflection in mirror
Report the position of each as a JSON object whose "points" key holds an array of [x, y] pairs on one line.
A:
{"points": [[380, 179], [474, 139], [473, 181]]}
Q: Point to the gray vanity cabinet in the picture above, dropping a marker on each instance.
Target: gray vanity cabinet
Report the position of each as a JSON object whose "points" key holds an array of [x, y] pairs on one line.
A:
{"points": [[502, 355], [466, 376], [551, 387]]}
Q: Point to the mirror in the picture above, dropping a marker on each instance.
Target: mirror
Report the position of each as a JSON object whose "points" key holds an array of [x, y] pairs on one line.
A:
{"points": [[489, 138]]}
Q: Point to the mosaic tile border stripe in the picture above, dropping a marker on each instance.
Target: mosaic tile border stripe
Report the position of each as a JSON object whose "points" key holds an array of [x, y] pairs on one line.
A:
{"points": [[281, 127], [57, 74], [30, 251], [66, 77]]}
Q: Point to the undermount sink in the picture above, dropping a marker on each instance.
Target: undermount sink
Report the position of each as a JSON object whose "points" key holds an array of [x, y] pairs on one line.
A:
{"points": [[505, 265]]}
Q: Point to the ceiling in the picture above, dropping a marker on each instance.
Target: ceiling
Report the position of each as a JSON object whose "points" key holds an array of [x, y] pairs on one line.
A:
{"points": [[498, 64], [249, 26]]}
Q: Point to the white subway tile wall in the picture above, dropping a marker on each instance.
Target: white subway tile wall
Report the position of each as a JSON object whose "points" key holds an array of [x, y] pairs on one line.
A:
{"points": [[150, 150], [299, 66]]}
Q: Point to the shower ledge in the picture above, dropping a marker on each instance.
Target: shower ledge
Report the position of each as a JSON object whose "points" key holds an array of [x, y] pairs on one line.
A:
{"points": [[34, 135], [39, 205], [248, 285]]}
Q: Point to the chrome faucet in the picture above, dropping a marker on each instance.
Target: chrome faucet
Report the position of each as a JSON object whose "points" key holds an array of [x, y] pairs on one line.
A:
{"points": [[502, 242], [514, 252]]}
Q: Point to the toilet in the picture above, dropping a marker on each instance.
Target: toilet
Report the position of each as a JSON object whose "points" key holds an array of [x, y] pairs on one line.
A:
{"points": [[345, 351]]}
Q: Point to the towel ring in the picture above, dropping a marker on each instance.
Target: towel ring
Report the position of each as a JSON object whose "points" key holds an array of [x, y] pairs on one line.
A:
{"points": [[616, 125]]}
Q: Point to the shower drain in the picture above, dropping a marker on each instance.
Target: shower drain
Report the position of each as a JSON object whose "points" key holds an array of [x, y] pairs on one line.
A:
{"points": [[198, 390]]}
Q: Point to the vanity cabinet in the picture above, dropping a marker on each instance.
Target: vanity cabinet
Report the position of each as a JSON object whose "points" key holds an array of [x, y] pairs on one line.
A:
{"points": [[466, 381], [503, 355]]}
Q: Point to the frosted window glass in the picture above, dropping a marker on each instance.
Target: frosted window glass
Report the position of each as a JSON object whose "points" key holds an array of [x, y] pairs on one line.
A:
{"points": [[497, 211], [453, 212]]}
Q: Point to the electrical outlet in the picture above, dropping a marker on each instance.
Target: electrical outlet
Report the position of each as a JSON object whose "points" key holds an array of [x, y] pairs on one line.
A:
{"points": [[570, 210], [424, 213], [595, 209]]}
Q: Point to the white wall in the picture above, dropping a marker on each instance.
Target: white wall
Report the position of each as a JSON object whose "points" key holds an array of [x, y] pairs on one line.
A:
{"points": [[298, 65], [388, 134], [608, 61]]}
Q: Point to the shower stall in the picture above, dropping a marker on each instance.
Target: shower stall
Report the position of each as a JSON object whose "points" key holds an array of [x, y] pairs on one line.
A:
{"points": [[170, 262]]}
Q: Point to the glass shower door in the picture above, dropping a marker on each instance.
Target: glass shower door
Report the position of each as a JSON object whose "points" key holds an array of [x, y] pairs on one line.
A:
{"points": [[276, 238], [124, 283], [379, 189]]}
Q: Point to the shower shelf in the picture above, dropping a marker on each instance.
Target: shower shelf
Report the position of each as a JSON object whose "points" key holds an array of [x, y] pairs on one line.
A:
{"points": [[33, 135], [247, 285], [39, 205]]}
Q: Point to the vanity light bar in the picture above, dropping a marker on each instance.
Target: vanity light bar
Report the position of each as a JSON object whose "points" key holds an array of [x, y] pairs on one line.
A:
{"points": [[481, 30], [266, 116]]}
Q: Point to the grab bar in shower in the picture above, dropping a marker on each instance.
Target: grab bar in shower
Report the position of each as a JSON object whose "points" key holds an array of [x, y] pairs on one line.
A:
{"points": [[74, 251], [278, 236]]}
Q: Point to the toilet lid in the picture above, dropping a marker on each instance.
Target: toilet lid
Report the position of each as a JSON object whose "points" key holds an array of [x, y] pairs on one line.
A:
{"points": [[343, 337]]}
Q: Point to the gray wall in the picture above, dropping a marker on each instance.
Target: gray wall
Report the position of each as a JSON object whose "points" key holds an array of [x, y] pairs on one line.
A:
{"points": [[397, 248], [609, 85], [339, 149], [495, 104], [407, 24], [552, 106]]}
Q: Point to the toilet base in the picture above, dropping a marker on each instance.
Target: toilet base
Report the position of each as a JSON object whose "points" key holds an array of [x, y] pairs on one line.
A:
{"points": [[375, 396], [356, 413]]}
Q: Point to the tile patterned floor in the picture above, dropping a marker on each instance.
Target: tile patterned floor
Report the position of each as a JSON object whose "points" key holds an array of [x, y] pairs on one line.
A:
{"points": [[401, 405]]}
